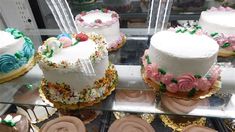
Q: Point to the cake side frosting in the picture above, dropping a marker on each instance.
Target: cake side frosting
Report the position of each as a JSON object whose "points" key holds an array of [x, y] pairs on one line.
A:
{"points": [[183, 49], [104, 22], [221, 20], [15, 51]]}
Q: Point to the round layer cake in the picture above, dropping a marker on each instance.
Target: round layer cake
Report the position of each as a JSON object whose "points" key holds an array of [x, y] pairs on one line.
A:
{"points": [[14, 123], [219, 23], [16, 54], [104, 22], [64, 124], [76, 70], [183, 65]]}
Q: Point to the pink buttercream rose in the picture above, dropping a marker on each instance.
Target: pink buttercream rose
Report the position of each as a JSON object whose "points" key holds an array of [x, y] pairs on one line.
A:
{"points": [[173, 88], [203, 84], [66, 42], [156, 75], [150, 69], [166, 79], [221, 40], [186, 82]]}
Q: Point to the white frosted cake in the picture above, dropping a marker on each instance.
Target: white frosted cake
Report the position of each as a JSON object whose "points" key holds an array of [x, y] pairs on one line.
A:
{"points": [[185, 63], [219, 23], [76, 70], [221, 20], [104, 22], [16, 54]]}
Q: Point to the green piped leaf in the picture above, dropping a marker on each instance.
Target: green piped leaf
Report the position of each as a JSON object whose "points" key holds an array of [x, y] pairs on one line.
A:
{"points": [[8, 123], [75, 43], [198, 27], [214, 34], [162, 87], [225, 45], [193, 32], [197, 76], [148, 60], [18, 55], [192, 92], [163, 72], [50, 54], [174, 80], [177, 31]]}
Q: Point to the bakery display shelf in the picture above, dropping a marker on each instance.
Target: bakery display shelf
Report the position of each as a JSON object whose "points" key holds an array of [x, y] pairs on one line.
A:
{"points": [[24, 91], [158, 125]]}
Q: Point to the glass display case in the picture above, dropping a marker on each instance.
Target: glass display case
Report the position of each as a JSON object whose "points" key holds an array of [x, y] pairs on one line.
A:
{"points": [[139, 20]]}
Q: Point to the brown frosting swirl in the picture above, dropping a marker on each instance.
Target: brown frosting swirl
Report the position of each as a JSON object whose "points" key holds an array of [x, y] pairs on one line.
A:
{"points": [[64, 124], [180, 106], [21, 126], [135, 96], [130, 124], [197, 128]]}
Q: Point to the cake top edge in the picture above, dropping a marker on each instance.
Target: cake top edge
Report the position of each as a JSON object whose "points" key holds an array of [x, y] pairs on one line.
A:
{"points": [[97, 18], [67, 50], [220, 9], [184, 45]]}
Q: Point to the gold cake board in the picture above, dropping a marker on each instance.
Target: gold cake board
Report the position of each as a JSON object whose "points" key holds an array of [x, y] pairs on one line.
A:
{"points": [[19, 72], [181, 95], [119, 45], [225, 53], [178, 123]]}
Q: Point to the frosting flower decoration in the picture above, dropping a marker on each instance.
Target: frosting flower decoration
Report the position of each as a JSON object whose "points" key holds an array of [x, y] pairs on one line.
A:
{"points": [[65, 39], [16, 33], [150, 69], [10, 121], [186, 82], [203, 84], [172, 87], [81, 37], [50, 47], [166, 79], [98, 21]]}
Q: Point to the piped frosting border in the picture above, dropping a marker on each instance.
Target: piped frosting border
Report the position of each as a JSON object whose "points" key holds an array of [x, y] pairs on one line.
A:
{"points": [[98, 22]]}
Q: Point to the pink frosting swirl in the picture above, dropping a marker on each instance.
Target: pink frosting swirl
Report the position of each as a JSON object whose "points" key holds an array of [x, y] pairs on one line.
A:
{"points": [[186, 82], [166, 79], [65, 41], [172, 87], [150, 69], [221, 8], [203, 84]]}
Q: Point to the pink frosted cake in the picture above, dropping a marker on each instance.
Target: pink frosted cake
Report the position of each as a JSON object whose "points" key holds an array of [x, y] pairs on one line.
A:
{"points": [[104, 22], [219, 23], [183, 66]]}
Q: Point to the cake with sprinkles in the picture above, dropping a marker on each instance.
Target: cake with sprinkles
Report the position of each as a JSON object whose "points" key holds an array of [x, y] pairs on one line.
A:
{"points": [[76, 70]]}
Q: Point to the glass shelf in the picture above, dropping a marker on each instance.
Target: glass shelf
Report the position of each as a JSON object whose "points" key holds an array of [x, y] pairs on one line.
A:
{"points": [[221, 105]]}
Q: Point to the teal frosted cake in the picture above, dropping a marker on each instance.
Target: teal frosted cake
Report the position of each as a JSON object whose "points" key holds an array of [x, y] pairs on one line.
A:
{"points": [[16, 54]]}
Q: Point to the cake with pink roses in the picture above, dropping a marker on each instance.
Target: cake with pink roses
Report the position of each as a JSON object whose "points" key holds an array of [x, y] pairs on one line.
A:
{"points": [[183, 66], [219, 23]]}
